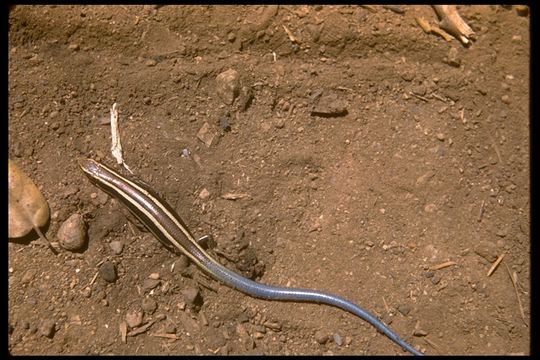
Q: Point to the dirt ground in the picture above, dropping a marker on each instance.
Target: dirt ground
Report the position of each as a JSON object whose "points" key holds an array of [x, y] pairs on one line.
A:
{"points": [[367, 159]]}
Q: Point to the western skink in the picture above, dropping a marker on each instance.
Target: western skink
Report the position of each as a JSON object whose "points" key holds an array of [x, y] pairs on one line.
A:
{"points": [[173, 233]]}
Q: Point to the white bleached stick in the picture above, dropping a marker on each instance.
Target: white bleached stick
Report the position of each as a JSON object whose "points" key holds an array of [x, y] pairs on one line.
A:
{"points": [[116, 147]]}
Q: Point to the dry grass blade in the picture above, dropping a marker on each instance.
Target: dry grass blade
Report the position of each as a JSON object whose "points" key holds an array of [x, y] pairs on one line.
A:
{"points": [[514, 283], [442, 266], [495, 264]]}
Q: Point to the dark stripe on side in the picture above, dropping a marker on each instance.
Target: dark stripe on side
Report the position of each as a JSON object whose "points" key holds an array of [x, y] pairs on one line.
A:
{"points": [[149, 223]]}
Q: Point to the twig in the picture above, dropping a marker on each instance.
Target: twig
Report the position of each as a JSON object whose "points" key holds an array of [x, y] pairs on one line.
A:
{"points": [[93, 279], [428, 28], [452, 22], [123, 331], [420, 97], [45, 240], [116, 147], [481, 212], [386, 306], [442, 266], [496, 149], [394, 8], [434, 345], [146, 326], [495, 264], [514, 283], [370, 8], [168, 336], [293, 38]]}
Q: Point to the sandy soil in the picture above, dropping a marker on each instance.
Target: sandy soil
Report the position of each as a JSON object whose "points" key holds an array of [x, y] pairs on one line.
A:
{"points": [[365, 153]]}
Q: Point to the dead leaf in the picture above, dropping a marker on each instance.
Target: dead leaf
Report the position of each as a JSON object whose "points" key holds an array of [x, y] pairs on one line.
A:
{"points": [[27, 207]]}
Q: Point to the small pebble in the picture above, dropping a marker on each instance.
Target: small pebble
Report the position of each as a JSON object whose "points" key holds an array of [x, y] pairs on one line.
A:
{"points": [[440, 136], [453, 57], [47, 328], [191, 296], [228, 86], [487, 250], [224, 124], [169, 328], [150, 62], [435, 279], [116, 246], [321, 337], [420, 333], [505, 99], [181, 264], [149, 305], [28, 276], [273, 326], [86, 292], [404, 309], [147, 100], [337, 339], [204, 194], [154, 276], [149, 284], [107, 270], [72, 233], [134, 318]]}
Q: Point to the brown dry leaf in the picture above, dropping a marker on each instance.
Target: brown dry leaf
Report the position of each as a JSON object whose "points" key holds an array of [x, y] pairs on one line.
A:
{"points": [[27, 207]]}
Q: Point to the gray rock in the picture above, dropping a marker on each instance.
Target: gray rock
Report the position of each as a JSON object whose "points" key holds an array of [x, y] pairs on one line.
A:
{"points": [[321, 337], [149, 305], [452, 58], [149, 284], [191, 296], [107, 271], [404, 309]]}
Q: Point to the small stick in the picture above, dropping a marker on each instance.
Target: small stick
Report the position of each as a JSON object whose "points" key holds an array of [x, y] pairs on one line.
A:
{"points": [[441, 33], [45, 240], [442, 266], [495, 264], [123, 331], [481, 212], [168, 336], [496, 149], [431, 343], [116, 147], [514, 283], [423, 24], [420, 97], [290, 35], [370, 8], [386, 306], [394, 8]]}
